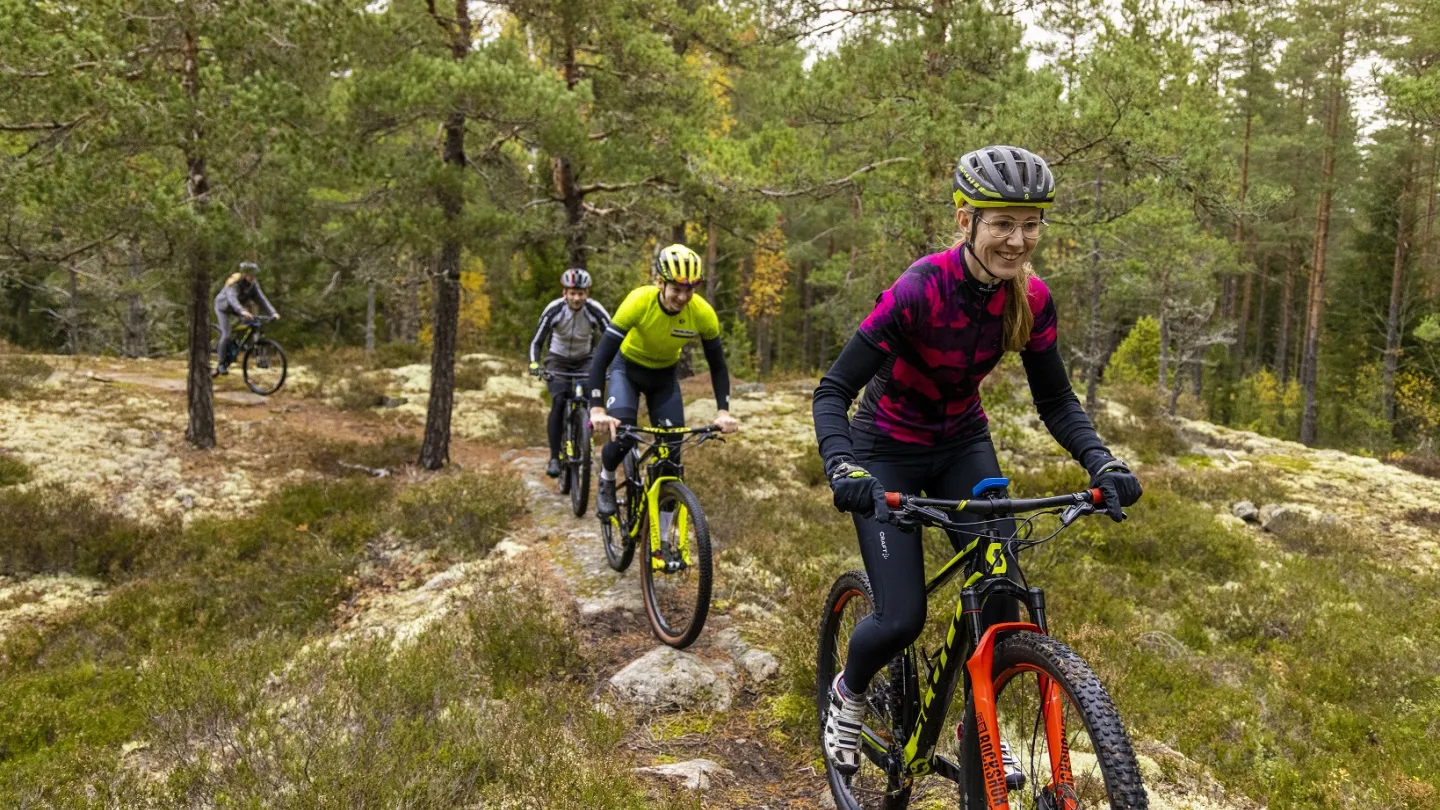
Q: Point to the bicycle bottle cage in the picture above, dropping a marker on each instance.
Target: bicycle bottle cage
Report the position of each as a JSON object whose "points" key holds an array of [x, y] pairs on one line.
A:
{"points": [[990, 486]]}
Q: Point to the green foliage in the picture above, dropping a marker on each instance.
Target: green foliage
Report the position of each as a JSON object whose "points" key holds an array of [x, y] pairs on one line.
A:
{"points": [[48, 529], [1137, 360], [520, 424], [393, 453], [395, 355], [13, 471], [518, 640], [1146, 428], [465, 513], [1265, 406], [19, 374]]}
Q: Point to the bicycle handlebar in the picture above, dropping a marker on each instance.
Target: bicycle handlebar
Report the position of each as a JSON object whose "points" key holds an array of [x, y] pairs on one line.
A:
{"points": [[659, 431], [563, 375], [994, 506]]}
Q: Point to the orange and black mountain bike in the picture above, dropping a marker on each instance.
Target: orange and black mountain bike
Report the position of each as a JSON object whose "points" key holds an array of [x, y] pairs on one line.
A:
{"points": [[1037, 729]]}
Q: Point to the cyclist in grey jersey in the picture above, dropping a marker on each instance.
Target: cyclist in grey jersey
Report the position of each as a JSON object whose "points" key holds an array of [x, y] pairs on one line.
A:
{"points": [[240, 289], [569, 328]]}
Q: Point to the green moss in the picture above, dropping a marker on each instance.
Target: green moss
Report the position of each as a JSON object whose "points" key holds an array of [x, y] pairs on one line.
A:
{"points": [[465, 514], [1292, 464], [13, 471]]}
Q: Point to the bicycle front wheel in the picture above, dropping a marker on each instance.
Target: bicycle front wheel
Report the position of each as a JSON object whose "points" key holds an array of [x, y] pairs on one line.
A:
{"points": [[1067, 748], [265, 367], [577, 462], [677, 575]]}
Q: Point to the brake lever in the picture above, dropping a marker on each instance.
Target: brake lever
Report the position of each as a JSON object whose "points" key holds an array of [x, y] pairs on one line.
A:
{"points": [[1076, 511]]}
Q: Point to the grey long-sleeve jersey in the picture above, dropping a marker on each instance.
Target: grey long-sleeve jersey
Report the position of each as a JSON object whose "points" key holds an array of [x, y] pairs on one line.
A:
{"points": [[232, 297], [573, 334]]}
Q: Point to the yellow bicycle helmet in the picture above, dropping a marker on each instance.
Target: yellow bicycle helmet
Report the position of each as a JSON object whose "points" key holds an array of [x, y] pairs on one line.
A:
{"points": [[679, 264]]}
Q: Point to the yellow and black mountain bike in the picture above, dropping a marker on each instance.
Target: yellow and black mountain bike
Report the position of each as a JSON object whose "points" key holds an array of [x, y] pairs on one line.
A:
{"points": [[657, 509], [1038, 730]]}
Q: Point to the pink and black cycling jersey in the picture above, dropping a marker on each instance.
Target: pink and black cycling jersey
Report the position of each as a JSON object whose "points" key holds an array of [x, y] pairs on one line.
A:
{"points": [[920, 357], [943, 332]]}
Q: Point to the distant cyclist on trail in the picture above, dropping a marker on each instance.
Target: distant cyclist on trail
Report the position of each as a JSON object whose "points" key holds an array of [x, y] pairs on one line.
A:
{"points": [[573, 323], [920, 356], [645, 338], [241, 289]]}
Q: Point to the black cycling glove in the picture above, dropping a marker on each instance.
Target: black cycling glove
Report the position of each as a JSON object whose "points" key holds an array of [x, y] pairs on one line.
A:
{"points": [[856, 490], [1119, 486]]}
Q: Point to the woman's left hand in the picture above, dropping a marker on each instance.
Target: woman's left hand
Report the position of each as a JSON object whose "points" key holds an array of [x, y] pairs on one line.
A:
{"points": [[1119, 486]]}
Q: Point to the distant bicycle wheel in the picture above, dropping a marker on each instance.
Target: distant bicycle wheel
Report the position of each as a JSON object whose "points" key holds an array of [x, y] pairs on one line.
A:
{"points": [[577, 462], [265, 367]]}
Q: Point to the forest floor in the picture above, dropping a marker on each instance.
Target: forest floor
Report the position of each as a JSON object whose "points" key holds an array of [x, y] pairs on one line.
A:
{"points": [[113, 431]]}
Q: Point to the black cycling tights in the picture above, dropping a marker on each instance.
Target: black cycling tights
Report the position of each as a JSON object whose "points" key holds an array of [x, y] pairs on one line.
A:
{"points": [[628, 381], [893, 557], [559, 395]]}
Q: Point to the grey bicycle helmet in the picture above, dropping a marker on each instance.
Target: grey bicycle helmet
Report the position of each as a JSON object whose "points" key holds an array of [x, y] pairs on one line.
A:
{"points": [[998, 176], [575, 277]]}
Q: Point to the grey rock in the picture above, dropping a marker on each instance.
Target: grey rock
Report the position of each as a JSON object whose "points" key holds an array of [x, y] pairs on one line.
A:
{"points": [[392, 402], [666, 677], [696, 774], [749, 388], [729, 640], [1286, 517], [1246, 511], [760, 665]]}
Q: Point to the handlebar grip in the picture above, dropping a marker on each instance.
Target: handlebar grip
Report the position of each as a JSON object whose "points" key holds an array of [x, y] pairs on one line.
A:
{"points": [[892, 500], [1097, 497]]}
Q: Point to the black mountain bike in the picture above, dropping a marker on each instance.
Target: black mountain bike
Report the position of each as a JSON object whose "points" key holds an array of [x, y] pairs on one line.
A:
{"points": [[1038, 729], [575, 449], [264, 363], [678, 570]]}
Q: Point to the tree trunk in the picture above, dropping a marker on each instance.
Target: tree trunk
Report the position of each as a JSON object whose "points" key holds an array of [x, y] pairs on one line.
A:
{"points": [[1397, 286], [566, 185], [1237, 350], [199, 396], [1287, 303], [712, 248], [1427, 231], [435, 451], [370, 317], [1315, 300], [1263, 282], [1092, 342], [137, 338], [72, 312]]}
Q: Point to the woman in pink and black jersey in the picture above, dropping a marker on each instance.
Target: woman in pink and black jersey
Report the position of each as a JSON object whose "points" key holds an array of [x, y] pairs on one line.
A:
{"points": [[920, 357]]}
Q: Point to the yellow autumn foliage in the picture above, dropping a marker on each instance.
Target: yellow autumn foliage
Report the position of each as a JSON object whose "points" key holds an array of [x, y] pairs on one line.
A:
{"points": [[474, 308], [766, 290]]}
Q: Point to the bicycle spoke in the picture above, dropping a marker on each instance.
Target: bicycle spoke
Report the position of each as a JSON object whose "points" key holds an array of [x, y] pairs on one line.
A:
{"points": [[1024, 725]]}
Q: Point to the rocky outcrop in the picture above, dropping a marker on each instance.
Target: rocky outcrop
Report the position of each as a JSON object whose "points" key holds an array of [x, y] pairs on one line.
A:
{"points": [[668, 678]]}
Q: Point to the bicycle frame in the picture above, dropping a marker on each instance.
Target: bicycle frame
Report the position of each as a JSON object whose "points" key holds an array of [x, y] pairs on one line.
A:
{"points": [[657, 459], [976, 650]]}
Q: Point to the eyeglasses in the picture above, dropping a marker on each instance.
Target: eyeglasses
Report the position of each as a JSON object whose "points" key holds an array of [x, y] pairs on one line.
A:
{"points": [[1001, 228]]}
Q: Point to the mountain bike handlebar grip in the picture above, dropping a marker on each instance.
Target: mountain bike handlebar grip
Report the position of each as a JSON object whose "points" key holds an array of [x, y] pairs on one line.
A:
{"points": [[1097, 497], [892, 500]]}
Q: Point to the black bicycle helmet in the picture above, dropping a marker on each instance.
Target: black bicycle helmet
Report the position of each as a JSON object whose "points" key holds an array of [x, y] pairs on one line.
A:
{"points": [[998, 176]]}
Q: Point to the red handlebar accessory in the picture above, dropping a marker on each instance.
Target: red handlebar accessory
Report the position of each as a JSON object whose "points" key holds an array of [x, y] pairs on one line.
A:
{"points": [[1097, 497], [892, 500]]}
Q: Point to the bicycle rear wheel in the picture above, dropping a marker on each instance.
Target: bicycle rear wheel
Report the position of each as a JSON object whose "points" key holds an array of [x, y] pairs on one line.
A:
{"points": [[577, 461], [1065, 736], [870, 788], [265, 367], [617, 532], [677, 575]]}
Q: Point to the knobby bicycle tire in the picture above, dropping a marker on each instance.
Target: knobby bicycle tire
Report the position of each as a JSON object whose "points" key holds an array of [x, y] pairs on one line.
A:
{"points": [[615, 532], [578, 466], [270, 347], [663, 599], [1114, 758]]}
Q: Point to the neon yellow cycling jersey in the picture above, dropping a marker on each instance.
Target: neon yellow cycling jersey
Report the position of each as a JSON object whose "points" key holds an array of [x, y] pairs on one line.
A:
{"points": [[653, 336]]}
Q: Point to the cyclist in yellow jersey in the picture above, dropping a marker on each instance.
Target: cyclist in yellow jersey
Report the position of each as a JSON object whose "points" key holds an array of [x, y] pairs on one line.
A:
{"points": [[644, 340]]}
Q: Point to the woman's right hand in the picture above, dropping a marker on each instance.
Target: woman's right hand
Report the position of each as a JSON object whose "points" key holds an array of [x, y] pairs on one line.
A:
{"points": [[599, 420], [856, 490]]}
